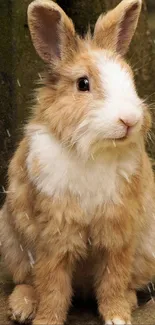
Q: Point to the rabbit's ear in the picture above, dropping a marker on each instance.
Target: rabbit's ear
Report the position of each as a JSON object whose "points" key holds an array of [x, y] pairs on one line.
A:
{"points": [[114, 31], [51, 29]]}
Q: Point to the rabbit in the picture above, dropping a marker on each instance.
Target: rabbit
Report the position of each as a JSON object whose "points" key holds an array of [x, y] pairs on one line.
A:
{"points": [[79, 214]]}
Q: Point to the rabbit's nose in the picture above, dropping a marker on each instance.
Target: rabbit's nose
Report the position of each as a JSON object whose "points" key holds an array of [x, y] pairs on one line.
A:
{"points": [[129, 121]]}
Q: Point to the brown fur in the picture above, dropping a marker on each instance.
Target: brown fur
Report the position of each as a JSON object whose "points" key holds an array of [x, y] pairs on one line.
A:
{"points": [[108, 32], [48, 244]]}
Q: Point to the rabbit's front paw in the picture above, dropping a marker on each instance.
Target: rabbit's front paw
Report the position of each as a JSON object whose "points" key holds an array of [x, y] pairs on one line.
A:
{"points": [[22, 304], [117, 321], [116, 312]]}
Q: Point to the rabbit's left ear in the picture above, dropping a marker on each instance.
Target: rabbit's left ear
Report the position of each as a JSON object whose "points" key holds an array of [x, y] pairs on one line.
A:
{"points": [[52, 31], [114, 31]]}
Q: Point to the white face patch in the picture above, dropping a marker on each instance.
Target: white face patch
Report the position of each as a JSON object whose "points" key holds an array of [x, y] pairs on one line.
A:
{"points": [[95, 183], [116, 80], [109, 118]]}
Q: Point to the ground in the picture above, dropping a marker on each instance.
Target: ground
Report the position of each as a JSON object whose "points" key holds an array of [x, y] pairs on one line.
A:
{"points": [[80, 315]]}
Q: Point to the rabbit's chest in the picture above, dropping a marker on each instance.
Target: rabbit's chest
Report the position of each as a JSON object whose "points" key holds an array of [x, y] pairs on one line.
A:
{"points": [[55, 172]]}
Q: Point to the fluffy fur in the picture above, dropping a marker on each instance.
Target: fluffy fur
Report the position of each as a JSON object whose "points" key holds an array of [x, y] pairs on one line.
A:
{"points": [[80, 207]]}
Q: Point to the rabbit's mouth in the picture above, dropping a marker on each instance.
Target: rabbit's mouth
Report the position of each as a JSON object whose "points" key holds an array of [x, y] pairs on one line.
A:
{"points": [[93, 139], [115, 142], [122, 138], [128, 137], [129, 134]]}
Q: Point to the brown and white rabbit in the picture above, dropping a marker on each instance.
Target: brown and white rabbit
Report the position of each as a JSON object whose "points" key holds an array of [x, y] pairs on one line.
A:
{"points": [[80, 207]]}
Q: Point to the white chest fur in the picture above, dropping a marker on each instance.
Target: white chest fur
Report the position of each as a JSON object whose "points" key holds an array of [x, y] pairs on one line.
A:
{"points": [[95, 183]]}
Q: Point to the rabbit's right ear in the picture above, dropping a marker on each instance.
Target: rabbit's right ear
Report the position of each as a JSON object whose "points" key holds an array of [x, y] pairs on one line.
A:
{"points": [[51, 29], [114, 31]]}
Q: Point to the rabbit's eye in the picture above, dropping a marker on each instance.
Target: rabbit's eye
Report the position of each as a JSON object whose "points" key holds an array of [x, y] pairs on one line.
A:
{"points": [[83, 84]]}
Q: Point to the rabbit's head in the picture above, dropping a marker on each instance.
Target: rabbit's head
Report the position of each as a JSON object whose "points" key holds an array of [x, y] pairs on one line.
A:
{"points": [[89, 100]]}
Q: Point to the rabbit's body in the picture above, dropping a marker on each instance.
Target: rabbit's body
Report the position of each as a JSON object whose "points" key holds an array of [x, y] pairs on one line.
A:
{"points": [[80, 207], [82, 215]]}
